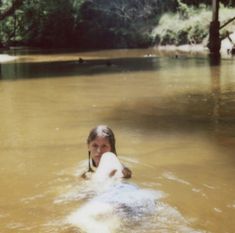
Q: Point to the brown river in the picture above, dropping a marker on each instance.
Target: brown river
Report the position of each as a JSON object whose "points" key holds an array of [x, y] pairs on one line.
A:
{"points": [[174, 121]]}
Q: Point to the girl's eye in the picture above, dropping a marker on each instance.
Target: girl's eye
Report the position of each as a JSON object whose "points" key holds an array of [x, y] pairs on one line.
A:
{"points": [[106, 146]]}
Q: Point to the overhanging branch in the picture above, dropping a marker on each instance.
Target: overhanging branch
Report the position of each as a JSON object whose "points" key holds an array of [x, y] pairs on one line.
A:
{"points": [[229, 21]]}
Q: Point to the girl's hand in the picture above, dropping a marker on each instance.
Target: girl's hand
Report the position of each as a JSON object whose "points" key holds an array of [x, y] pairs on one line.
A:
{"points": [[112, 173], [126, 172]]}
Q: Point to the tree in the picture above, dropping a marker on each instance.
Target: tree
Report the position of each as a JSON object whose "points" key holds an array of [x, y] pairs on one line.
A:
{"points": [[9, 11], [120, 23], [7, 16], [45, 23], [48, 23]]}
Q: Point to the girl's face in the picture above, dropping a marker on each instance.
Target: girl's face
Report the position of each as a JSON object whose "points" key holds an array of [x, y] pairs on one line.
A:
{"points": [[98, 147]]}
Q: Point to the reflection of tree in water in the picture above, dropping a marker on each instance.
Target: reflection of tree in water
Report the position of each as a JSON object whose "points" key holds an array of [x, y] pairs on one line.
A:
{"points": [[55, 69], [189, 111], [182, 112], [223, 108], [215, 88]]}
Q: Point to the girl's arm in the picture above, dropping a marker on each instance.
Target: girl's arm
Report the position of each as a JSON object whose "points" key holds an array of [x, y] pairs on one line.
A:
{"points": [[87, 175]]}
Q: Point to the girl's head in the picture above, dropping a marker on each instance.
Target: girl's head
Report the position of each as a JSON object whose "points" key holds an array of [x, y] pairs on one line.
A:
{"points": [[100, 140]]}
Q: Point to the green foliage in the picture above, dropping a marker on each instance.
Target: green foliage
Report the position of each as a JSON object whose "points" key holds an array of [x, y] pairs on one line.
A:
{"points": [[118, 23], [48, 23], [41, 22], [182, 36], [183, 10], [87, 24], [197, 33], [58, 23], [173, 29]]}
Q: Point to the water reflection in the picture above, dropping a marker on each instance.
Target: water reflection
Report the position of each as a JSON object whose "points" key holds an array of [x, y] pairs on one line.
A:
{"points": [[34, 67], [193, 101], [216, 88], [215, 59], [25, 70]]}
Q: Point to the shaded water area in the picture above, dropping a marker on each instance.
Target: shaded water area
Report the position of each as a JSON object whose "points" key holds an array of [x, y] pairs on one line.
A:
{"points": [[174, 120]]}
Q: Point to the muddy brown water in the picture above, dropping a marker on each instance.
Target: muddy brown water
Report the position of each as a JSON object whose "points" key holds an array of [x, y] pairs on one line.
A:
{"points": [[174, 121]]}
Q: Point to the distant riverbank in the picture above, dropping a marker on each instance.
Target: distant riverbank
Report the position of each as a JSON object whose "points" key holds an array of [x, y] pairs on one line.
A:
{"points": [[193, 49], [196, 49]]}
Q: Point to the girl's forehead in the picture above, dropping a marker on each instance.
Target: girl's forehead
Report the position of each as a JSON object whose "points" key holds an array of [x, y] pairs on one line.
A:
{"points": [[100, 139]]}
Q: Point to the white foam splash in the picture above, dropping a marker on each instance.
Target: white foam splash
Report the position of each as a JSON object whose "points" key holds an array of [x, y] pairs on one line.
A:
{"points": [[27, 200], [218, 210], [209, 186], [95, 217], [81, 168], [128, 208], [118, 206], [113, 199], [231, 205], [105, 212], [171, 176]]}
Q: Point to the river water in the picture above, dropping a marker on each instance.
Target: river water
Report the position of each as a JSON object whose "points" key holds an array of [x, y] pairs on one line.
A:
{"points": [[174, 121]]}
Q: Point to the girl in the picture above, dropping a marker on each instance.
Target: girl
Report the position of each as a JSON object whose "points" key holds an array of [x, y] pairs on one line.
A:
{"points": [[100, 140]]}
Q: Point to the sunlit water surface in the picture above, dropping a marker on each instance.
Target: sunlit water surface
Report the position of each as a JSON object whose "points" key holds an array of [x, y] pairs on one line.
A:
{"points": [[174, 120]]}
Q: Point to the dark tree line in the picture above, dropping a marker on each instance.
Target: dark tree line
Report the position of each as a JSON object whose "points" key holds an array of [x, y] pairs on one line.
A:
{"points": [[84, 23]]}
